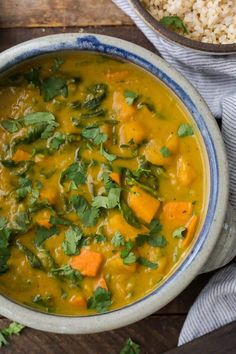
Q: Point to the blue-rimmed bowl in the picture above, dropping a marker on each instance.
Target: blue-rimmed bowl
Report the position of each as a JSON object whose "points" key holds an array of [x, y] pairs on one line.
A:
{"points": [[216, 199]]}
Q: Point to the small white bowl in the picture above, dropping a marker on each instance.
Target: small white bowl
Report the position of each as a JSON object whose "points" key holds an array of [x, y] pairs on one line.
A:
{"points": [[210, 235]]}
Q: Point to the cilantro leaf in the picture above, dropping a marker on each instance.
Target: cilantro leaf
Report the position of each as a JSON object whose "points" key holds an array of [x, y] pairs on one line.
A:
{"points": [[88, 214], [45, 301], [34, 261], [72, 242], [42, 234], [179, 233], [108, 202], [165, 151], [126, 254], [129, 215], [145, 262], [99, 238], [13, 329], [32, 77], [56, 220], [52, 87], [130, 347], [130, 97], [100, 300], [130, 258], [93, 133], [22, 222], [76, 172], [173, 22], [57, 63], [72, 275], [118, 240], [184, 130], [11, 125], [108, 156], [152, 240]]}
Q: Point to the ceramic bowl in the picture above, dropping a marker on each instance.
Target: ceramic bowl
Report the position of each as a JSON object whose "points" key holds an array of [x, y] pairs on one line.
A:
{"points": [[216, 200], [175, 38]]}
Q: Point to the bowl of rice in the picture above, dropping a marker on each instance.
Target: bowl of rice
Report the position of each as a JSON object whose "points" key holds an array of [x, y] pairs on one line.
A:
{"points": [[208, 26]]}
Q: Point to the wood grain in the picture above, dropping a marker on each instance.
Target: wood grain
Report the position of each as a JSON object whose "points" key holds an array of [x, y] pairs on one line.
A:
{"points": [[220, 341], [58, 13], [155, 334]]}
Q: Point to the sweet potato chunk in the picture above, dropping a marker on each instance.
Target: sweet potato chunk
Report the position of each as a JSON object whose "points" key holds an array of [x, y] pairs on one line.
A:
{"points": [[191, 228], [116, 222], [132, 130], [143, 204], [115, 176], [78, 301], [20, 155], [87, 262], [121, 107], [177, 213], [49, 194]]}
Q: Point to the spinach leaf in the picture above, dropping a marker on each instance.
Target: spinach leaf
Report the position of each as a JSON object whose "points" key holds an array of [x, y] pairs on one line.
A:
{"points": [[184, 130], [56, 220], [52, 87], [173, 22], [72, 242], [110, 201], [99, 112], [7, 332], [76, 172], [34, 260], [100, 300], [130, 97], [11, 125], [145, 262], [130, 347], [108, 156], [129, 215], [88, 214], [97, 94], [66, 272], [25, 187], [5, 253], [42, 234], [38, 118], [93, 133], [165, 151], [118, 240]]}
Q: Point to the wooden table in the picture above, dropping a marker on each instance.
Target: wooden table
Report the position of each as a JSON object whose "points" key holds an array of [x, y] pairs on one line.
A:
{"points": [[26, 19]]}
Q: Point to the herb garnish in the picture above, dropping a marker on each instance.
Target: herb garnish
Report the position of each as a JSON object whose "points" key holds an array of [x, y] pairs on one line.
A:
{"points": [[100, 300], [184, 130], [6, 333], [165, 151], [73, 240], [130, 347], [174, 22], [130, 97]]}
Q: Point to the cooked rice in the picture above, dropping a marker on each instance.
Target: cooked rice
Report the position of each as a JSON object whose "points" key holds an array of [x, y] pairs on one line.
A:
{"points": [[210, 21]]}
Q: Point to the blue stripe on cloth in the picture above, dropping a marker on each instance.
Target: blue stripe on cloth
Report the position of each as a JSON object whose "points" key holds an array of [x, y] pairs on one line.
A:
{"points": [[215, 78]]}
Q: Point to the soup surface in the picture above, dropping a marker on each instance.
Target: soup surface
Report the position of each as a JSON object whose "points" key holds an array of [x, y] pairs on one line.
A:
{"points": [[101, 183]]}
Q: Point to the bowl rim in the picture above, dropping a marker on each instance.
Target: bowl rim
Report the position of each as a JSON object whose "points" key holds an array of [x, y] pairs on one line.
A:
{"points": [[198, 255], [177, 39]]}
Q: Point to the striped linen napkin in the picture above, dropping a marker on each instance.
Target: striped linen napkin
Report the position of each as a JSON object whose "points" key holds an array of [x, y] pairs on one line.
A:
{"points": [[215, 78]]}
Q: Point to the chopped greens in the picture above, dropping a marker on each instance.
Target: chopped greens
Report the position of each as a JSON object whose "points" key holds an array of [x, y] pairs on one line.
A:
{"points": [[76, 172], [11, 125], [128, 214], [6, 333], [118, 240], [179, 233], [130, 97], [52, 87], [88, 214], [153, 238], [100, 300], [110, 201], [68, 273], [165, 151], [174, 22], [42, 234], [130, 347], [108, 156], [73, 240], [126, 254], [145, 262], [93, 133], [184, 130], [34, 260]]}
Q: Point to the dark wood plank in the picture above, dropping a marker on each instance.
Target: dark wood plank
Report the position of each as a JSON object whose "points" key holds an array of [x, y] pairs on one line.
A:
{"points": [[220, 341], [155, 334], [57, 13], [10, 37]]}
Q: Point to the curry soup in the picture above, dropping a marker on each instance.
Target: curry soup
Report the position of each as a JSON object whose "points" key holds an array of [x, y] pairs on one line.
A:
{"points": [[101, 183]]}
